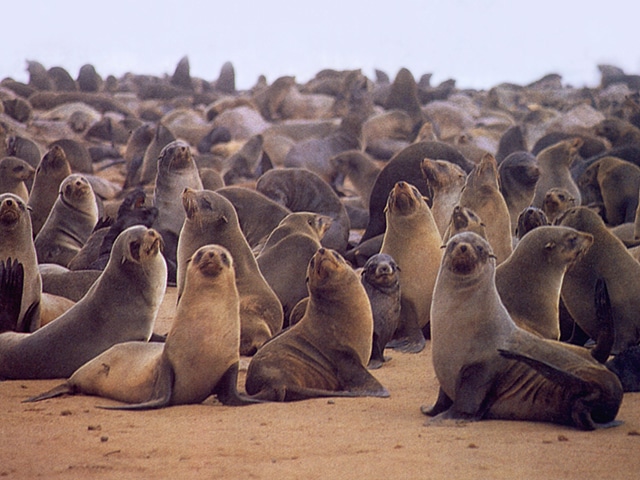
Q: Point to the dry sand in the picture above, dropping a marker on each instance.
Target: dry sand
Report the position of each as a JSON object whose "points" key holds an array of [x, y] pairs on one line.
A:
{"points": [[371, 438]]}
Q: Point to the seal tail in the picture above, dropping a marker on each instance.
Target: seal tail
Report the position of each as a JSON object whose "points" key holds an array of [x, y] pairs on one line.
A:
{"points": [[54, 392]]}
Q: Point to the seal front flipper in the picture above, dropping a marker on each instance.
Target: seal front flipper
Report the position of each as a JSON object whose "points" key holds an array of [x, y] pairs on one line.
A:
{"points": [[162, 391], [377, 354], [354, 377], [11, 285], [443, 403], [408, 338], [472, 390], [604, 314], [226, 389]]}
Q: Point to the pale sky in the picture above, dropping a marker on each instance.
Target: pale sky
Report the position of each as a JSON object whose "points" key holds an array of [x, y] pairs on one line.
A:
{"points": [[478, 43]]}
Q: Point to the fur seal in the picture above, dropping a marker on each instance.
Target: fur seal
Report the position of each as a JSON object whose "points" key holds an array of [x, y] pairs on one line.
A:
{"points": [[530, 218], [14, 172], [413, 240], [626, 366], [77, 154], [71, 284], [519, 175], [554, 163], [16, 242], [121, 306], [530, 280], [149, 168], [301, 190], [284, 258], [360, 169], [489, 368], [464, 219], [609, 260], [325, 354], [211, 219], [405, 165], [199, 358], [70, 222], [481, 194], [445, 182], [556, 201], [381, 281], [51, 171]]}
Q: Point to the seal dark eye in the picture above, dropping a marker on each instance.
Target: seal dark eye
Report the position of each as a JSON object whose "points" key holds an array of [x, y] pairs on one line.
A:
{"points": [[207, 204], [225, 259], [17, 169], [134, 249], [198, 256]]}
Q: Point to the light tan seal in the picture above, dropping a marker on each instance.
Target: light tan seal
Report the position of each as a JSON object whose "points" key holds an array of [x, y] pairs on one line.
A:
{"points": [[120, 306], [413, 240], [211, 218], [199, 358], [445, 181], [16, 242], [325, 354], [14, 172], [530, 280], [70, 222], [489, 368], [52, 170], [554, 163]]}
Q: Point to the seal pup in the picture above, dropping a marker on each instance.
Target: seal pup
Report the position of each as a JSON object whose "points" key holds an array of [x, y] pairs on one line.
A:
{"points": [[325, 354], [530, 218], [52, 170], [211, 218], [554, 163], [16, 242], [413, 240], [464, 219], [301, 190], [380, 278], [14, 172], [199, 358], [70, 222], [610, 260], [481, 193], [489, 368], [530, 280], [120, 306], [284, 258]]}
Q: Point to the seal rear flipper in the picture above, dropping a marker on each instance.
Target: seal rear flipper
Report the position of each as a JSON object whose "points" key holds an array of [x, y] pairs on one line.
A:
{"points": [[11, 286], [354, 377], [57, 391], [605, 319], [443, 403], [226, 389], [162, 391]]}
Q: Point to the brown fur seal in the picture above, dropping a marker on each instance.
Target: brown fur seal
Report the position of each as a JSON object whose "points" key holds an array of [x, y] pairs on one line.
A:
{"points": [[359, 169], [325, 354], [405, 165], [77, 154], [71, 284], [70, 222], [530, 218], [14, 172], [199, 358], [519, 175], [464, 219], [51, 171], [301, 190], [413, 240], [618, 131], [554, 163], [481, 194], [258, 215], [284, 258], [616, 183], [149, 168], [489, 368], [530, 280], [211, 218], [610, 260], [556, 201], [381, 280], [445, 182], [16, 243], [121, 306]]}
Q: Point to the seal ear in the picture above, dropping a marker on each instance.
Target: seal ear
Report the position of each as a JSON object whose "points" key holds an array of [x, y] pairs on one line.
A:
{"points": [[550, 245]]}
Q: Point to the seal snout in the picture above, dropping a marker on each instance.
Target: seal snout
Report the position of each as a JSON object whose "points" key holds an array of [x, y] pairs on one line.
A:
{"points": [[211, 260], [466, 251]]}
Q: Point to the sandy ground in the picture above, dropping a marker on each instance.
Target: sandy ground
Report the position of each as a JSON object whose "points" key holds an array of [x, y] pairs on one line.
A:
{"points": [[69, 437]]}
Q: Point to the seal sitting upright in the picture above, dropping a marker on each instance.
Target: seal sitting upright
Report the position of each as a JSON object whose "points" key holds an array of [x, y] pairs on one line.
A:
{"points": [[199, 358], [325, 354], [489, 368]]}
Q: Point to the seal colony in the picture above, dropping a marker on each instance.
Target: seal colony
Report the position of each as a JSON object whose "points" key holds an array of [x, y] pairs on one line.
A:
{"points": [[268, 267]]}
